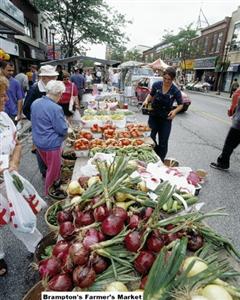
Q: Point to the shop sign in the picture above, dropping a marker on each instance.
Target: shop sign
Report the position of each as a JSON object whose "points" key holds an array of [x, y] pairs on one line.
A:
{"points": [[57, 52], [9, 47], [205, 63], [12, 11], [187, 64]]}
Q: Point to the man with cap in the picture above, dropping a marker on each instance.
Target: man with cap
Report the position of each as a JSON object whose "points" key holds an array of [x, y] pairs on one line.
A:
{"points": [[37, 90]]}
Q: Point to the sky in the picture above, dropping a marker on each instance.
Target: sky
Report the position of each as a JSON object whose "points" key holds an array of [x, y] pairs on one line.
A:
{"points": [[151, 17]]}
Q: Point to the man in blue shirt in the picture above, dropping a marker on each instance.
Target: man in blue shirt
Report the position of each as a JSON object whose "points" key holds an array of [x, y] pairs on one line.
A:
{"points": [[79, 80], [13, 106]]}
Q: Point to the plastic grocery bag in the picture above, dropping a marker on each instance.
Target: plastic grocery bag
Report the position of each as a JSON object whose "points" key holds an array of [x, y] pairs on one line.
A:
{"points": [[24, 202], [76, 118], [4, 208]]}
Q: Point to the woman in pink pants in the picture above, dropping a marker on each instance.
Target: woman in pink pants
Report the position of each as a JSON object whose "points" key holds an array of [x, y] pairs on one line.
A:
{"points": [[49, 129]]}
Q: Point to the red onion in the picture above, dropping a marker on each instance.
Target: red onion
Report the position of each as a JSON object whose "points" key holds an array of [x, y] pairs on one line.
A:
{"points": [[112, 225], [64, 216], [120, 212], [99, 264], [83, 218], [91, 238], [67, 265], [144, 262], [60, 249], [195, 242], [84, 276], [49, 267], [101, 236], [133, 221], [78, 254], [60, 283], [154, 243], [143, 282], [66, 230], [100, 213], [132, 241], [170, 237], [148, 213]]}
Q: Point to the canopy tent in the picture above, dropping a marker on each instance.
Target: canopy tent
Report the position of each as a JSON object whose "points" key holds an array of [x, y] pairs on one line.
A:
{"points": [[130, 63], [80, 58], [158, 64]]}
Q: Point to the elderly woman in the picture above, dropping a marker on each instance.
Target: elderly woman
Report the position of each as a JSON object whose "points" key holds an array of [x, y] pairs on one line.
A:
{"points": [[49, 129], [162, 97]]}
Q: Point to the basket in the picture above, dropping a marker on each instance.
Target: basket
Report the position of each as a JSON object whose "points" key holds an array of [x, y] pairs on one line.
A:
{"points": [[35, 292], [50, 226], [49, 239]]}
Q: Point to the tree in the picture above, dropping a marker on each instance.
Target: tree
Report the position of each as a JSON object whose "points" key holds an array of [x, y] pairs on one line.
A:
{"points": [[118, 53], [84, 21], [133, 55], [181, 44]]}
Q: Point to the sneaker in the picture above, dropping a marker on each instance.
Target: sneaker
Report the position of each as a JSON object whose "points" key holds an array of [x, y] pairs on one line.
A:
{"points": [[218, 166]]}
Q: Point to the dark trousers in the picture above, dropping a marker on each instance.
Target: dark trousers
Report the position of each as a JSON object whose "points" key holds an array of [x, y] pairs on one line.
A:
{"points": [[41, 165], [231, 142], [162, 128]]}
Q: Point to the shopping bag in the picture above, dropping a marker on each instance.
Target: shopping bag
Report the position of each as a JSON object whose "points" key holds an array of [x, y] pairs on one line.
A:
{"points": [[71, 102], [30, 194], [22, 217], [76, 118], [4, 208]]}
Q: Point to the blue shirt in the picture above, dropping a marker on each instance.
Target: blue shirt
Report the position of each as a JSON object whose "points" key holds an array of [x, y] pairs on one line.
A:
{"points": [[163, 102], [14, 93], [49, 127], [79, 80]]}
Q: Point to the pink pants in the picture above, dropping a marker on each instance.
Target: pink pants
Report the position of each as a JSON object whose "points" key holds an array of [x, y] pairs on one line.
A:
{"points": [[52, 160]]}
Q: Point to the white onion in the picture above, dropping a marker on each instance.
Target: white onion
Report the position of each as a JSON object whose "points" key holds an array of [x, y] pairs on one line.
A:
{"points": [[197, 267], [216, 292], [75, 188], [92, 180], [116, 286]]}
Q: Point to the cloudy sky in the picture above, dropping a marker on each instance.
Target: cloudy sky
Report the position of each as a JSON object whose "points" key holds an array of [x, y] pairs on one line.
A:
{"points": [[151, 17]]}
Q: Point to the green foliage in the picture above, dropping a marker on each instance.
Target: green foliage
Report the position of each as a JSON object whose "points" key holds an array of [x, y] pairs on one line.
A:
{"points": [[84, 21], [133, 55], [117, 53], [180, 45]]}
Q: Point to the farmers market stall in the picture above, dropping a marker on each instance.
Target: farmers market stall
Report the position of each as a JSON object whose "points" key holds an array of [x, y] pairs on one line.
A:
{"points": [[128, 222]]}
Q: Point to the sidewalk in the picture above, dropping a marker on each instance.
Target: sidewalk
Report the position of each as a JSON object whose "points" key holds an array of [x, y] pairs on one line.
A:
{"points": [[223, 95]]}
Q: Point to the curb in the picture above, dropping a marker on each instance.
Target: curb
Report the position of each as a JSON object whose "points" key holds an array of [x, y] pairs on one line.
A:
{"points": [[209, 95]]}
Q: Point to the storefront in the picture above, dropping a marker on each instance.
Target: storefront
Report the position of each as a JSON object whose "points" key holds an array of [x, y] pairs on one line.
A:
{"points": [[233, 71], [187, 68], [205, 70]]}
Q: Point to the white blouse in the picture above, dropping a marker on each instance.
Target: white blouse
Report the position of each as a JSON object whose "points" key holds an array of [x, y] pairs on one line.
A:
{"points": [[7, 134]]}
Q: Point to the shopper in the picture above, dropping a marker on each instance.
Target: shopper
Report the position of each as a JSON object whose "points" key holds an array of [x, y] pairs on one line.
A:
{"points": [[231, 142], [70, 91], [162, 97], [79, 80], [49, 130], [234, 86], [10, 150], [22, 78], [13, 106]]}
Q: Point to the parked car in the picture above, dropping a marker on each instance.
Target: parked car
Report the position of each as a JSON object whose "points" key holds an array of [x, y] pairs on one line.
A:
{"points": [[144, 86]]}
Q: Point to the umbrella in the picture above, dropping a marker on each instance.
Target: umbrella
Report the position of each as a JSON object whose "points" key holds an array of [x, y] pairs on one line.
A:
{"points": [[158, 64], [130, 63]]}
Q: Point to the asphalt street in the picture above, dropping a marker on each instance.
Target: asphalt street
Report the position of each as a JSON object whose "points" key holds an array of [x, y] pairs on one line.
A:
{"points": [[197, 138]]}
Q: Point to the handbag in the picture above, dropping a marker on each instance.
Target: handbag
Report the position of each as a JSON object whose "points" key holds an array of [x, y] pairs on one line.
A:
{"points": [[71, 102]]}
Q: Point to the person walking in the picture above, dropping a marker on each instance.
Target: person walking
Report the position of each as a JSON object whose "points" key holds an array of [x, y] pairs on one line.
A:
{"points": [[234, 86], [231, 142], [49, 129], [162, 97], [13, 106], [79, 80]]}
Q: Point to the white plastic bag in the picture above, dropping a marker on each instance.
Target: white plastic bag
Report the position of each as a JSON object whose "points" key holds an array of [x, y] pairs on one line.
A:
{"points": [[22, 203], [76, 118]]}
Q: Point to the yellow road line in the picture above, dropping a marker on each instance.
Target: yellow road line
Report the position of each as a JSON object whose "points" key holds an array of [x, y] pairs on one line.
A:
{"points": [[210, 116]]}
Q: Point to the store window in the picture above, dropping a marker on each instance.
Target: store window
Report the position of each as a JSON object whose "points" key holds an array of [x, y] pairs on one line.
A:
{"points": [[235, 43], [29, 28], [219, 42], [205, 47], [214, 43]]}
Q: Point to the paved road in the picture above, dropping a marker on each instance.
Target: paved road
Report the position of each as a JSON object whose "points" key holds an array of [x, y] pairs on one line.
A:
{"points": [[196, 140]]}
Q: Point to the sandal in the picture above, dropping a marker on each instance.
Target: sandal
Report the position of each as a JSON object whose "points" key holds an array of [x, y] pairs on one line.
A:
{"points": [[3, 267]]}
